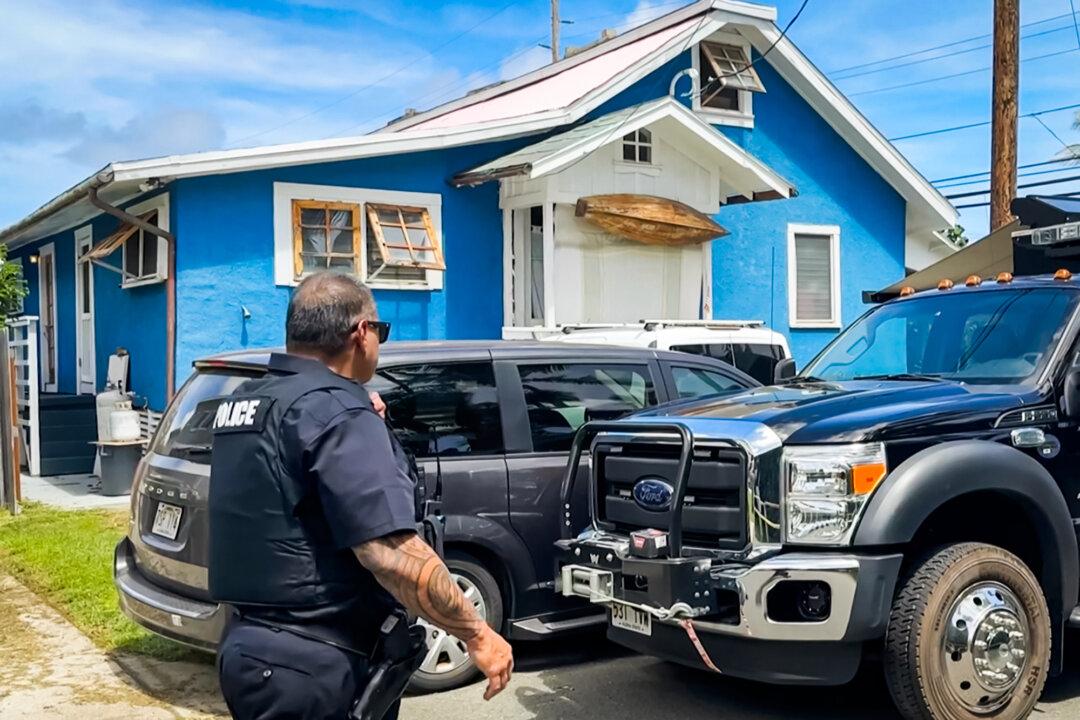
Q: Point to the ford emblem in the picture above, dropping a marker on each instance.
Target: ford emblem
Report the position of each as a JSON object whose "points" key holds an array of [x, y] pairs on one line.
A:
{"points": [[653, 494]]}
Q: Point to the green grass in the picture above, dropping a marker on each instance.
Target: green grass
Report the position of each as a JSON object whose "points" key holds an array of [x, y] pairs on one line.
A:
{"points": [[65, 556]]}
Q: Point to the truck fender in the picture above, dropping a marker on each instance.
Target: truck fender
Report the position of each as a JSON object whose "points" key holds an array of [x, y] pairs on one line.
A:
{"points": [[500, 542], [934, 476]]}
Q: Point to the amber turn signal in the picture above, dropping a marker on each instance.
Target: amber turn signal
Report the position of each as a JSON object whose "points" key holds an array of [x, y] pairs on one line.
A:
{"points": [[1063, 274], [864, 478], [907, 290], [973, 281], [1004, 277], [945, 284]]}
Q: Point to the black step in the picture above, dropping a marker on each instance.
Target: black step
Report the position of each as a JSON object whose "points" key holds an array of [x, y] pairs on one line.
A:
{"points": [[68, 417], [64, 400], [72, 447], [67, 465]]}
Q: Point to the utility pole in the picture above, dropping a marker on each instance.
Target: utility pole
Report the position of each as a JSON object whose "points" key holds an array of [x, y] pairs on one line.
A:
{"points": [[554, 30], [1003, 112]]}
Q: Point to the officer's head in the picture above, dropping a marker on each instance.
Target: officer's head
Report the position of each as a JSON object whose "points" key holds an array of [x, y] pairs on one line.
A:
{"points": [[332, 317]]}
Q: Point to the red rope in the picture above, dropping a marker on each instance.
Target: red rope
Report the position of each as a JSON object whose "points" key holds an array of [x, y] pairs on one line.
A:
{"points": [[688, 626]]}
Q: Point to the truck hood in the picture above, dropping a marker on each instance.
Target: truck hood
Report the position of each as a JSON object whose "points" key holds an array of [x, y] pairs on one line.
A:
{"points": [[861, 410]]}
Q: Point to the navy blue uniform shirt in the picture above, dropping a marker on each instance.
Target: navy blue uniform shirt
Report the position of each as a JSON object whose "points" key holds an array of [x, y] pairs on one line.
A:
{"points": [[340, 448]]}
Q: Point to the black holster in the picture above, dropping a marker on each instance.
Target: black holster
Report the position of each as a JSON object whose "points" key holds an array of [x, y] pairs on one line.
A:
{"points": [[400, 651]]}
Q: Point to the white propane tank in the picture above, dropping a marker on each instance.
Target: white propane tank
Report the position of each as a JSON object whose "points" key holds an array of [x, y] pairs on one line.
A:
{"points": [[124, 423], [106, 402]]}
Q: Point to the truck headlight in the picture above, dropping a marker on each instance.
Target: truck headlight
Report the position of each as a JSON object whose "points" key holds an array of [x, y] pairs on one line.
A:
{"points": [[827, 488]]}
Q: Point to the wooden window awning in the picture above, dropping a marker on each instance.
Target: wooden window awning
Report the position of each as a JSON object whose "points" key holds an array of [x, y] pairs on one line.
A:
{"points": [[109, 245]]}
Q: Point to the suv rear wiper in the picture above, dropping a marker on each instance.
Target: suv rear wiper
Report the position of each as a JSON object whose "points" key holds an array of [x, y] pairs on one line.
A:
{"points": [[189, 450], [902, 376]]}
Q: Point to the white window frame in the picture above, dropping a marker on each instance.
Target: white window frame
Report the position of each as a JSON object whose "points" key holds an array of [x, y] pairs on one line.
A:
{"points": [[49, 387], [636, 143], [84, 241], [161, 272], [285, 193], [744, 116], [833, 233]]}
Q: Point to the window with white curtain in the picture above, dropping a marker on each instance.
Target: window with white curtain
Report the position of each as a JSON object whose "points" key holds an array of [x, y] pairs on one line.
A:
{"points": [[814, 275]]}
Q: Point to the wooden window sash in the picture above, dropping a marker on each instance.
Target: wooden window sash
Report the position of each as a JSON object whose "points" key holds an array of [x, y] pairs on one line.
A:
{"points": [[327, 207], [434, 246], [744, 72]]}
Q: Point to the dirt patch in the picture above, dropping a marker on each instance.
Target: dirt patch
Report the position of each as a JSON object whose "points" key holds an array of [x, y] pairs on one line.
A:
{"points": [[51, 671]]}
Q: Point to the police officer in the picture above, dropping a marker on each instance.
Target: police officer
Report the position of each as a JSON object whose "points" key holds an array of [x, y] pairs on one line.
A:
{"points": [[312, 522]]}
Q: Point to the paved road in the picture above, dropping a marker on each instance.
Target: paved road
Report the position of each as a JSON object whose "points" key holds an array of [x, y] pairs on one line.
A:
{"points": [[600, 682]]}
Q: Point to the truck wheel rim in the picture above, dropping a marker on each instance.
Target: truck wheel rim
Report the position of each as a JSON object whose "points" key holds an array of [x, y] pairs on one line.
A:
{"points": [[985, 647], [446, 653]]}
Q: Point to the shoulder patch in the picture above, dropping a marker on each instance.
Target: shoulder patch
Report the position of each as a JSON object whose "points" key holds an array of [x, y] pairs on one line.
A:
{"points": [[241, 413]]}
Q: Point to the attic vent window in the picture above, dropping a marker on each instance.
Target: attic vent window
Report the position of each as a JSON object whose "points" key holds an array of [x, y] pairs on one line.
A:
{"points": [[725, 71], [637, 146]]}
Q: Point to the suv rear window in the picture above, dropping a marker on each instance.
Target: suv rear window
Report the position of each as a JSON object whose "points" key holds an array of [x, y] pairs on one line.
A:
{"points": [[755, 359], [185, 429]]}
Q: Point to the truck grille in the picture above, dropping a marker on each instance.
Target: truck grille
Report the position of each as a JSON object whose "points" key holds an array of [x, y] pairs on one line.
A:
{"points": [[714, 511]]}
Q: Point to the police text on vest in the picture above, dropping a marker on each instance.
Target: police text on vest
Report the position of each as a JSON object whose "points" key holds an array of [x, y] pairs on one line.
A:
{"points": [[236, 414]]}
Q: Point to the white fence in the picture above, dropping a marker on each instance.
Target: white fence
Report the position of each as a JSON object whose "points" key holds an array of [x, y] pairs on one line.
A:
{"points": [[23, 341]]}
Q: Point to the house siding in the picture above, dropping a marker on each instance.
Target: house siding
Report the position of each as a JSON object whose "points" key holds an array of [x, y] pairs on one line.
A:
{"points": [[225, 252], [131, 318]]}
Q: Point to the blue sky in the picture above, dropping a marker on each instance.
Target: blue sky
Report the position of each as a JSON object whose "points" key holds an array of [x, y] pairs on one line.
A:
{"points": [[86, 82]]}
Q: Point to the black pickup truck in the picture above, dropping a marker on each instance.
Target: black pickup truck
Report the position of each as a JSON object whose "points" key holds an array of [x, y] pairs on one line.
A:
{"points": [[912, 495]]}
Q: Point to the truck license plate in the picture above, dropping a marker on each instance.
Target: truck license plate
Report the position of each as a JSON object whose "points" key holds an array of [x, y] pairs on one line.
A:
{"points": [[626, 617], [167, 520]]}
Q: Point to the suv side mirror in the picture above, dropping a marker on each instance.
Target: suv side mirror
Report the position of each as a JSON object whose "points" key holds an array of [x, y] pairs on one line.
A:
{"points": [[785, 370], [1070, 394]]}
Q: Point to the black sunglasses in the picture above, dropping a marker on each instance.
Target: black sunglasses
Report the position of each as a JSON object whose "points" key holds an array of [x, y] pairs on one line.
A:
{"points": [[382, 328]]}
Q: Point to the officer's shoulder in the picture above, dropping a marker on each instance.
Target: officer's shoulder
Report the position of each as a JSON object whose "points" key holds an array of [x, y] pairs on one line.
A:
{"points": [[329, 402]]}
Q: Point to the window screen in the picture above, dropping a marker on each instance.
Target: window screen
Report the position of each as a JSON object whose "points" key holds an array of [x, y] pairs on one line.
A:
{"points": [[445, 409], [814, 288], [561, 398]]}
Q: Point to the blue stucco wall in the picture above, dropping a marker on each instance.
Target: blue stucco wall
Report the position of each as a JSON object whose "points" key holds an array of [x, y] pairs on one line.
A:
{"points": [[225, 252], [133, 318]]}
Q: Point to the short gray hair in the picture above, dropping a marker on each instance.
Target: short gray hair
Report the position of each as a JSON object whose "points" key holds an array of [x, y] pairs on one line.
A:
{"points": [[323, 310]]}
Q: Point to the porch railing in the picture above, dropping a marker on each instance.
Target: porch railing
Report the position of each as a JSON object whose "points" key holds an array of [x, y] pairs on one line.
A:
{"points": [[23, 342]]}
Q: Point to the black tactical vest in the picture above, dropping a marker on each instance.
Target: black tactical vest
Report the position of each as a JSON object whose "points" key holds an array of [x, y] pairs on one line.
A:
{"points": [[270, 545]]}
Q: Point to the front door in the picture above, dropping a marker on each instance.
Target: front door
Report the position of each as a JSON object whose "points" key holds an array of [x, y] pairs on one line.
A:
{"points": [[84, 313], [47, 309]]}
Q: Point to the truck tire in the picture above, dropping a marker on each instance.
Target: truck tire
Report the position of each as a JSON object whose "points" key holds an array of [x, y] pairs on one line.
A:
{"points": [[968, 637], [447, 664]]}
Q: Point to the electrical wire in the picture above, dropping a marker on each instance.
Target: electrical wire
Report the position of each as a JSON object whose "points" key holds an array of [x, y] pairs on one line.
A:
{"points": [[1076, 25], [1033, 173], [987, 172], [1041, 183], [1068, 148], [926, 81], [377, 81], [983, 123], [954, 43]]}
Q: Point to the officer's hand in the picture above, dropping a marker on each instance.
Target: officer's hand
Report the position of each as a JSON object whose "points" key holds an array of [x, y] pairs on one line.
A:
{"points": [[494, 658], [377, 404]]}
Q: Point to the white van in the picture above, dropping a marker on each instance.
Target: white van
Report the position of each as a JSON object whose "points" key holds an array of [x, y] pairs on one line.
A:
{"points": [[746, 344]]}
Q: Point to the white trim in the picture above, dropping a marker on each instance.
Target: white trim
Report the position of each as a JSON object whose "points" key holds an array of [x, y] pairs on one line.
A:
{"points": [[744, 116], [833, 233], [707, 308], [549, 262], [285, 193], [161, 273], [508, 266], [48, 249], [84, 240]]}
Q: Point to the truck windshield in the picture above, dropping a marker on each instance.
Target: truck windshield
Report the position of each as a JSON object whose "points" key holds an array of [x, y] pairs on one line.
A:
{"points": [[997, 337]]}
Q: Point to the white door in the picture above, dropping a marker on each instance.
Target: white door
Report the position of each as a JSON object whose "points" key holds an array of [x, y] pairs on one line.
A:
{"points": [[47, 310], [84, 313]]}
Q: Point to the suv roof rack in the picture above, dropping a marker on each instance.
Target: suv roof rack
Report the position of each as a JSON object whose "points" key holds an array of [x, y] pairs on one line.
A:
{"points": [[650, 325]]}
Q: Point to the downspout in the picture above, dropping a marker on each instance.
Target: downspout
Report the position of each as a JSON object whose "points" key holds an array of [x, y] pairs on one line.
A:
{"points": [[170, 283]]}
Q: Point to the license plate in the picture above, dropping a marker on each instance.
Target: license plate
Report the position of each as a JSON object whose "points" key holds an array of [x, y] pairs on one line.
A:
{"points": [[167, 520], [626, 617]]}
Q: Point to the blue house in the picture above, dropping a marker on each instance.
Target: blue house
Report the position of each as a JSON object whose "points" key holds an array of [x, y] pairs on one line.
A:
{"points": [[462, 217]]}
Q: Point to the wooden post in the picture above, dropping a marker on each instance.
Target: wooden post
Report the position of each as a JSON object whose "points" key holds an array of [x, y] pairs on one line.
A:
{"points": [[16, 454], [8, 469], [1004, 111], [554, 30]]}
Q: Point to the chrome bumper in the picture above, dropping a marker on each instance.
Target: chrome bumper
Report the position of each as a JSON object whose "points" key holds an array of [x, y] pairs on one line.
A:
{"points": [[191, 622]]}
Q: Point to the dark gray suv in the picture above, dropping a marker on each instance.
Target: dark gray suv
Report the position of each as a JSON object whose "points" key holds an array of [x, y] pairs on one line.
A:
{"points": [[490, 424]]}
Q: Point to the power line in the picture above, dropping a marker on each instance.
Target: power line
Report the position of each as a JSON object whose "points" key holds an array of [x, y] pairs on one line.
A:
{"points": [[1068, 148], [1041, 183], [954, 43], [987, 172], [377, 81], [1027, 174], [955, 75], [1076, 26], [946, 55], [981, 124]]}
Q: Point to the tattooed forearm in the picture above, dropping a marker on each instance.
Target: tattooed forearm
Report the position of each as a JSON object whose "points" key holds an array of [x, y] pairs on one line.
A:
{"points": [[411, 571]]}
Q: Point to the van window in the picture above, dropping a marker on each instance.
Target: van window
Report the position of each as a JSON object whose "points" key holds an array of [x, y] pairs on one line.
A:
{"points": [[755, 359], [185, 429]]}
